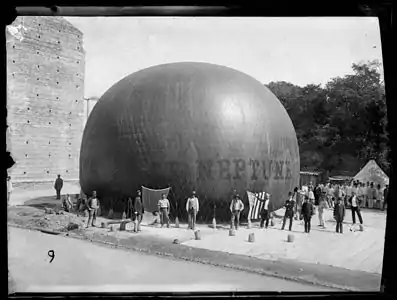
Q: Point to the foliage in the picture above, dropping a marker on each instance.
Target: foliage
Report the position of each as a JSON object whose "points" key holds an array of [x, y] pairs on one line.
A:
{"points": [[342, 125]]}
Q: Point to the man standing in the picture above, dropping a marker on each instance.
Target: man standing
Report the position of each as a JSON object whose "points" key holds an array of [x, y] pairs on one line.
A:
{"points": [[321, 207], [355, 207], [379, 197], [339, 215], [236, 207], [296, 196], [330, 194], [371, 195], [349, 189], [139, 210], [92, 206], [164, 209], [192, 208], [289, 211], [307, 212], [58, 186], [265, 212], [9, 189], [130, 209], [317, 194], [385, 193]]}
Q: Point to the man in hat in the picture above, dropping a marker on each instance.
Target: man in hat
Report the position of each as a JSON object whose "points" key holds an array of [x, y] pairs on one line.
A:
{"points": [[330, 194], [297, 196], [355, 207], [289, 211], [9, 189], [371, 194], [164, 209], [236, 207], [385, 193], [265, 212], [92, 206], [339, 215], [138, 210], [307, 213], [322, 206], [58, 186], [192, 208]]}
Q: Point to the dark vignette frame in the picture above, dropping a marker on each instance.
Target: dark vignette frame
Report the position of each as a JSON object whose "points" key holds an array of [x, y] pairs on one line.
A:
{"points": [[381, 9]]}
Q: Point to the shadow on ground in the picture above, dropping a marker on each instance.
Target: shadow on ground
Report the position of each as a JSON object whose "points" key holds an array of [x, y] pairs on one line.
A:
{"points": [[43, 202]]}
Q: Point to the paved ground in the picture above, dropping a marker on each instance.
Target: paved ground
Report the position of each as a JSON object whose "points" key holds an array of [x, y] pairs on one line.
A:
{"points": [[79, 266], [362, 251], [352, 250]]}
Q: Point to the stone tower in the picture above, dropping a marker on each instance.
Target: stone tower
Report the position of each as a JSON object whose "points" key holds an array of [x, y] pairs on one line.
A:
{"points": [[45, 98]]}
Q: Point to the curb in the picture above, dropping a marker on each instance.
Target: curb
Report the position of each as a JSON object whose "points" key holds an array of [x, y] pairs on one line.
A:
{"points": [[169, 254]]}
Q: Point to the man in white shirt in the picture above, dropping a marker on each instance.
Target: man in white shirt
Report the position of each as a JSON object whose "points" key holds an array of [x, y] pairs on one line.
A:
{"points": [[355, 207], [265, 212], [164, 209], [9, 189], [236, 207], [192, 208]]}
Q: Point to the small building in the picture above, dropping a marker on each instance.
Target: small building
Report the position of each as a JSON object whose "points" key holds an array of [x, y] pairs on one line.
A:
{"points": [[314, 176]]}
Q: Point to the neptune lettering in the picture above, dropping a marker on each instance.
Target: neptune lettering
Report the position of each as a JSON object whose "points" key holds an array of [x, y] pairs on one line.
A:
{"points": [[225, 169]]}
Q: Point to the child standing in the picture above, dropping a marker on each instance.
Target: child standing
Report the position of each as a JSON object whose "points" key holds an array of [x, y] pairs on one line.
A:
{"points": [[339, 215]]}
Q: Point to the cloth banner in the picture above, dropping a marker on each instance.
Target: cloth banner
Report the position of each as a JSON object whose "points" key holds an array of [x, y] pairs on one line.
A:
{"points": [[151, 198], [256, 202]]}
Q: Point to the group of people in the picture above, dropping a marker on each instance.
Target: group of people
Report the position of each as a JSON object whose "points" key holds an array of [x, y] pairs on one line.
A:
{"points": [[305, 202], [301, 204], [371, 195]]}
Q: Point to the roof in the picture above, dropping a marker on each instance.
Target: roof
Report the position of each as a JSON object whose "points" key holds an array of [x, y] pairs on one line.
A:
{"points": [[372, 173], [313, 173], [340, 177]]}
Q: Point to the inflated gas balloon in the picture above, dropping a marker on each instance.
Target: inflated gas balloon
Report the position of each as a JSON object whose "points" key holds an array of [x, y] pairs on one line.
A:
{"points": [[190, 126]]}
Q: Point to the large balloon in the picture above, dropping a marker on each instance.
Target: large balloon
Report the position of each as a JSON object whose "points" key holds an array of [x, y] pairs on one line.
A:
{"points": [[190, 126]]}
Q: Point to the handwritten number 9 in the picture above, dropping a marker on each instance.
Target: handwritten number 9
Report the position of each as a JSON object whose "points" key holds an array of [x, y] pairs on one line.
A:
{"points": [[52, 255]]}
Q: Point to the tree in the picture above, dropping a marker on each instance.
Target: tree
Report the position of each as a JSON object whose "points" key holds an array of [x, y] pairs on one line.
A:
{"points": [[344, 124]]}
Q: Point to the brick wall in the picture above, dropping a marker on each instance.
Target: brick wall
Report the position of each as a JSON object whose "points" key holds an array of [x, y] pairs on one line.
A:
{"points": [[45, 98]]}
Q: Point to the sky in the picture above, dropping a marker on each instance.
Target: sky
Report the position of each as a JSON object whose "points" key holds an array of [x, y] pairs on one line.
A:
{"points": [[297, 50]]}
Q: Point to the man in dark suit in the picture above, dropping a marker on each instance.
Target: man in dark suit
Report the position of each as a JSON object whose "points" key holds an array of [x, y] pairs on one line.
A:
{"points": [[265, 212], [339, 215], [307, 213], [139, 210], [289, 211], [385, 193], [58, 186]]}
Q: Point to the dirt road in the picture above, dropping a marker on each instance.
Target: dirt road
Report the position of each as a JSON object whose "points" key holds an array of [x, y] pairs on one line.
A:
{"points": [[80, 266]]}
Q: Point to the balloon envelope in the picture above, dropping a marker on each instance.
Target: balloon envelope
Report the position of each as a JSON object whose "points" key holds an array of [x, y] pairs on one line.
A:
{"points": [[191, 126]]}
